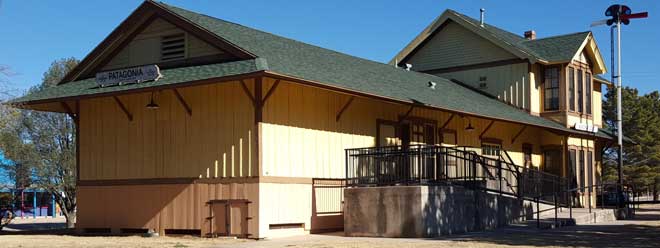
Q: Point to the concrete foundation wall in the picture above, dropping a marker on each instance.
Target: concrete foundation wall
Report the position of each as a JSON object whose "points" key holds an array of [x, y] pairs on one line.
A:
{"points": [[426, 211]]}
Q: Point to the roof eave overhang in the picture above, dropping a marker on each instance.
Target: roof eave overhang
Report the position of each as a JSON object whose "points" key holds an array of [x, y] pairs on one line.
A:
{"points": [[273, 74]]}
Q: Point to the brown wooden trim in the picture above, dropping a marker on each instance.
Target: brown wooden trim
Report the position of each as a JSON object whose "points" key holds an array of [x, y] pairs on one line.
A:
{"points": [[105, 59], [143, 181], [182, 101], [380, 122], [215, 80], [68, 110], [486, 130], [194, 61], [143, 12], [491, 141], [405, 116], [271, 90], [343, 108], [418, 119], [76, 122], [152, 181], [152, 10], [229, 201], [515, 137], [258, 118], [203, 34], [476, 66], [444, 125], [194, 180], [551, 147], [123, 108], [258, 98], [248, 93], [421, 44]]}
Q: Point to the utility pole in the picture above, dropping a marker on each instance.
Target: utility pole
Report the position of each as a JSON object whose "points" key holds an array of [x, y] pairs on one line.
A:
{"points": [[619, 14]]}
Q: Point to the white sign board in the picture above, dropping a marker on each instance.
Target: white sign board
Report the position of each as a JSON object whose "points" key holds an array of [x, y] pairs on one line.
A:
{"points": [[128, 75], [586, 127]]}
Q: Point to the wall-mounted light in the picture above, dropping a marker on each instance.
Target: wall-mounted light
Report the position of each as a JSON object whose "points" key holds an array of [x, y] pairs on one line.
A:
{"points": [[469, 127], [152, 105]]}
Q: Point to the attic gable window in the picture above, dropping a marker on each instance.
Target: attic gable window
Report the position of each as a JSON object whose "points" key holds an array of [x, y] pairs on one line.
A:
{"points": [[173, 47]]}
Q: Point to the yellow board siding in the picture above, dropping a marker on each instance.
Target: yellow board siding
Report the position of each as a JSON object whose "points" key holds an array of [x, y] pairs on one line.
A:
{"points": [[145, 47], [509, 83], [300, 136], [167, 143], [454, 45], [597, 104], [536, 87]]}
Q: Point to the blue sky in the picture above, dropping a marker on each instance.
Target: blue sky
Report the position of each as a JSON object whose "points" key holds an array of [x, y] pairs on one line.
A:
{"points": [[34, 33]]}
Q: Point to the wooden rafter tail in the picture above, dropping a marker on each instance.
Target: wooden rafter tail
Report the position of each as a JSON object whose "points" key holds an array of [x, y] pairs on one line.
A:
{"points": [[123, 108], [515, 137], [182, 101], [486, 130], [405, 116], [451, 117], [271, 90], [248, 93], [69, 111], [343, 108]]}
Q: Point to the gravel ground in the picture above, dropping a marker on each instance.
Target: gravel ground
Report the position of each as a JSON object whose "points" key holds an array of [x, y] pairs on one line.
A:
{"points": [[644, 231]]}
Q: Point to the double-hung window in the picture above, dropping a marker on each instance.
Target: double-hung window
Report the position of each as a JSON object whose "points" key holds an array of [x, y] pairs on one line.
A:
{"points": [[551, 93]]}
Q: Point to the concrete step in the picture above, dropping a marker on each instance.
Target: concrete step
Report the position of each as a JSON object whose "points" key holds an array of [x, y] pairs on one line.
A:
{"points": [[580, 216]]}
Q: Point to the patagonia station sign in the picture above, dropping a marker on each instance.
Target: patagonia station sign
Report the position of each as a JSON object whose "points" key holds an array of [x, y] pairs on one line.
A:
{"points": [[128, 75], [586, 127]]}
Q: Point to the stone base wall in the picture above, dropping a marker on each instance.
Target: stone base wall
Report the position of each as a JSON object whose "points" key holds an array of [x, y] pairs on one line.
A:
{"points": [[426, 211]]}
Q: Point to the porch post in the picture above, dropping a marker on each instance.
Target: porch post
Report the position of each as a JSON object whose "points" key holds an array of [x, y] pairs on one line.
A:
{"points": [[52, 203], [34, 204]]}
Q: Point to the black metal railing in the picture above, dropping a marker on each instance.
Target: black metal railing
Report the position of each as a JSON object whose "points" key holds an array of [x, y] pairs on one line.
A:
{"points": [[436, 165], [428, 165]]}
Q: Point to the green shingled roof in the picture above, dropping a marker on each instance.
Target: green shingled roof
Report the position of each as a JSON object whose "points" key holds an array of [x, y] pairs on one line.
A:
{"points": [[551, 49], [296, 59], [180, 75]]}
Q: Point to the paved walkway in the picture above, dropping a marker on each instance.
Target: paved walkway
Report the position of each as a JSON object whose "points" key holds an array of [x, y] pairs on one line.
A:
{"points": [[641, 232], [644, 231]]}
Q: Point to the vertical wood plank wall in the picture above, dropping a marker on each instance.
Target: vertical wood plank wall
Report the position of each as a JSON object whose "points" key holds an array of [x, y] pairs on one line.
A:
{"points": [[509, 83], [167, 143], [160, 207]]}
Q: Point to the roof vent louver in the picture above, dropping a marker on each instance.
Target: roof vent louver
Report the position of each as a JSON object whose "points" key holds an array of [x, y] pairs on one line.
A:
{"points": [[173, 47], [432, 85]]}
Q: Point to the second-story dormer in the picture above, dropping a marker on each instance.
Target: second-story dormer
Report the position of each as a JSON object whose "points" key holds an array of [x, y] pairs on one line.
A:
{"points": [[554, 77]]}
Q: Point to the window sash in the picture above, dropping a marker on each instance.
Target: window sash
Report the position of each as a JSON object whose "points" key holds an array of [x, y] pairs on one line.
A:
{"points": [[580, 91], [571, 89], [588, 93], [551, 89]]}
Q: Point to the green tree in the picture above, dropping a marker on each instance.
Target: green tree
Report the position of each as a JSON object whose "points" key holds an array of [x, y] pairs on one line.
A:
{"points": [[46, 143], [641, 122]]}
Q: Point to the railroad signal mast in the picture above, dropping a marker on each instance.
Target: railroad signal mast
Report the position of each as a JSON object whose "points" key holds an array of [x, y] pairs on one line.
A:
{"points": [[619, 14]]}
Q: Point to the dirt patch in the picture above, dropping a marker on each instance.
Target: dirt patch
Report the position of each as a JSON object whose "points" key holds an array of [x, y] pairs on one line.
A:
{"points": [[57, 241]]}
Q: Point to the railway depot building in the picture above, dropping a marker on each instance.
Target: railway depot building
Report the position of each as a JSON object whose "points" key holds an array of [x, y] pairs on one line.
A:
{"points": [[226, 130]]}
